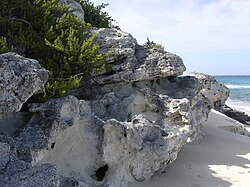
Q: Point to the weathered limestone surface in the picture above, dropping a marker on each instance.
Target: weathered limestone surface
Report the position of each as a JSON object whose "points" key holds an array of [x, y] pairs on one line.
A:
{"points": [[16, 172], [4, 155], [20, 78], [131, 62], [141, 141], [44, 175], [62, 132], [237, 115], [216, 92], [147, 123]]}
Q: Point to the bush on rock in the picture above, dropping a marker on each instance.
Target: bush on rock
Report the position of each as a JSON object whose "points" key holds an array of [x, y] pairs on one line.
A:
{"points": [[95, 15], [47, 31]]}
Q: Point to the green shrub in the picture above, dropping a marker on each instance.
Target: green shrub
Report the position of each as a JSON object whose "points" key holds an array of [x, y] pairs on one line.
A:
{"points": [[151, 44], [4, 45], [95, 15], [47, 31], [61, 87]]}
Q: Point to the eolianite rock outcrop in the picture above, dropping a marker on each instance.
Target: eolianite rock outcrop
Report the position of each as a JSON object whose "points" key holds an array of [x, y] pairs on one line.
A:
{"points": [[133, 122], [20, 78], [131, 62], [216, 92], [240, 116], [132, 126]]}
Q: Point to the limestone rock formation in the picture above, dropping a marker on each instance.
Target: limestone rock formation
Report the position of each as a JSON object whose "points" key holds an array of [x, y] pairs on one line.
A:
{"points": [[237, 115], [94, 143], [75, 7], [131, 62], [20, 78], [147, 123], [14, 171], [216, 92], [137, 120], [62, 138]]}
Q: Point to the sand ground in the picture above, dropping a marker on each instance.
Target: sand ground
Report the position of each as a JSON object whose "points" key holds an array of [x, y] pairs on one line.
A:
{"points": [[221, 159]]}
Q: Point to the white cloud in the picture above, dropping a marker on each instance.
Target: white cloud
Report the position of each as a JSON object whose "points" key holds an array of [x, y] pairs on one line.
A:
{"points": [[186, 25]]}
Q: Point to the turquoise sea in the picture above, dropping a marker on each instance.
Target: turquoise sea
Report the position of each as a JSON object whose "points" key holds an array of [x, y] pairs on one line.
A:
{"points": [[239, 91]]}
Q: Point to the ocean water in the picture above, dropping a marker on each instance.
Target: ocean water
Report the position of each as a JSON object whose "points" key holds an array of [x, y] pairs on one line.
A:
{"points": [[239, 91]]}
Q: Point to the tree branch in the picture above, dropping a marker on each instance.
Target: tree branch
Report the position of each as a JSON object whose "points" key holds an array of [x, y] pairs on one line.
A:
{"points": [[22, 20]]}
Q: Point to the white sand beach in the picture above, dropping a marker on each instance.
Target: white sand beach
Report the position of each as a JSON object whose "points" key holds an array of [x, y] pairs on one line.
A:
{"points": [[221, 159]]}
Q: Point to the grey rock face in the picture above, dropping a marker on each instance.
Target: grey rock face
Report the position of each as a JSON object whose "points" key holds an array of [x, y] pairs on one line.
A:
{"points": [[13, 122], [121, 43], [4, 155], [146, 125], [75, 7], [237, 115], [51, 120], [216, 92], [43, 176], [55, 134], [131, 62], [16, 172], [20, 78], [65, 133], [129, 134]]}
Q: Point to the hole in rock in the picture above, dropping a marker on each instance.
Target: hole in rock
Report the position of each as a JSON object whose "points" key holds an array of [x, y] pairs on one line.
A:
{"points": [[164, 133], [53, 145], [100, 173], [158, 81], [136, 121], [125, 134], [152, 82]]}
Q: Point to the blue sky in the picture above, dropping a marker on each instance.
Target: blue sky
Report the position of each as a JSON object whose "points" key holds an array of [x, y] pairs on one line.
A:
{"points": [[211, 36]]}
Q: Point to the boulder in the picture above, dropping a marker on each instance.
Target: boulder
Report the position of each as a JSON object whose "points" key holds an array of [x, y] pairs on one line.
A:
{"points": [[20, 78], [237, 115], [130, 62], [121, 44], [216, 92], [146, 124]]}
